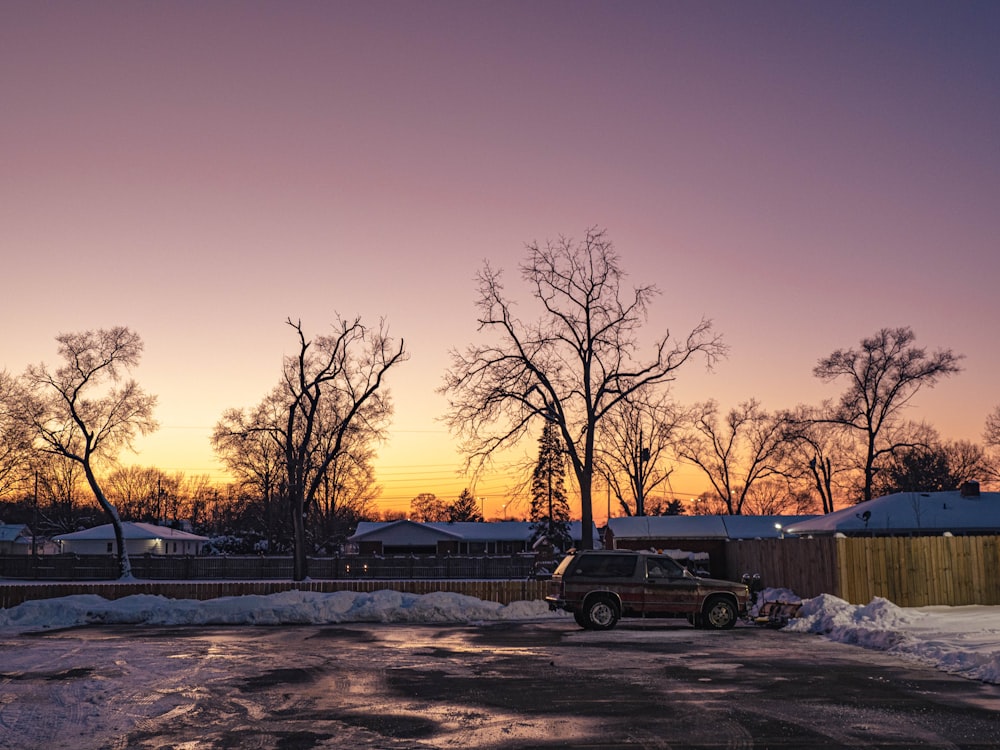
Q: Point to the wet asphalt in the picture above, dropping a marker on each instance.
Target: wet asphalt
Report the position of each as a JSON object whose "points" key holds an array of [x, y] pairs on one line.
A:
{"points": [[544, 684]]}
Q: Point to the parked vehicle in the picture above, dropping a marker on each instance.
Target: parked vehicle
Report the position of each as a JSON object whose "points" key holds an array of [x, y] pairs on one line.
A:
{"points": [[601, 586]]}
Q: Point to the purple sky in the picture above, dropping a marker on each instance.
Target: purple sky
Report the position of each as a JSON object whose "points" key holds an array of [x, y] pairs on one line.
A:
{"points": [[802, 173]]}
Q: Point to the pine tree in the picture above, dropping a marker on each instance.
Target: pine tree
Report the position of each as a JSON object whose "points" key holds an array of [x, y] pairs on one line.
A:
{"points": [[549, 507], [464, 508]]}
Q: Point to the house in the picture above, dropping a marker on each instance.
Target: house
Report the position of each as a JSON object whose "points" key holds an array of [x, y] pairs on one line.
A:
{"points": [[960, 512], [692, 537], [15, 539], [140, 539], [448, 538]]}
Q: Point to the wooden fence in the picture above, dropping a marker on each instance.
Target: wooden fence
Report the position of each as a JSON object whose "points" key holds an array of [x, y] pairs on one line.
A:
{"points": [[503, 592], [253, 567], [908, 571]]}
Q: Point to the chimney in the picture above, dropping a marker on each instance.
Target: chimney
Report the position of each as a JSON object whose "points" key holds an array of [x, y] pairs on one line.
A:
{"points": [[969, 488]]}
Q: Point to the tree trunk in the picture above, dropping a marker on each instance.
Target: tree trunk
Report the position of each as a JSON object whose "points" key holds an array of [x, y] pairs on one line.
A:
{"points": [[124, 564], [300, 558]]}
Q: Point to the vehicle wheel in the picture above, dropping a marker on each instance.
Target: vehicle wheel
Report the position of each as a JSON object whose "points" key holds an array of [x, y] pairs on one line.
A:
{"points": [[581, 620], [601, 613], [720, 614]]}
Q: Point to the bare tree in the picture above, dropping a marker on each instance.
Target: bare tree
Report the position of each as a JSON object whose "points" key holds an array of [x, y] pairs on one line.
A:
{"points": [[244, 440], [968, 460], [428, 507], [748, 446], [571, 367], [86, 411], [991, 434], [882, 377], [137, 492], [775, 497], [15, 439], [820, 458], [634, 446], [331, 395]]}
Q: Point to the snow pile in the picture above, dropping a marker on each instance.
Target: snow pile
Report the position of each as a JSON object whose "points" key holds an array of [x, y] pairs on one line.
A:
{"points": [[961, 640], [286, 608]]}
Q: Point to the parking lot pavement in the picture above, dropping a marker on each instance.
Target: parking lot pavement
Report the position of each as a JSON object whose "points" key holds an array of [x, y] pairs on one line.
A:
{"points": [[540, 684]]}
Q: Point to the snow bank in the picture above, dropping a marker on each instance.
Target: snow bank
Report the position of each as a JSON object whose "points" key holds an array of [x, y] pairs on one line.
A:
{"points": [[961, 640], [286, 608]]}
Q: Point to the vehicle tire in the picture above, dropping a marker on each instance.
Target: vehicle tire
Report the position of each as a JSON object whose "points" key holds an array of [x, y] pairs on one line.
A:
{"points": [[601, 613], [581, 620], [719, 614]]}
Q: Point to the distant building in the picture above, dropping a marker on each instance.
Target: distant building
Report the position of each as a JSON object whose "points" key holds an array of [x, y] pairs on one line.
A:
{"points": [[140, 539], [15, 539], [444, 538], [960, 512]]}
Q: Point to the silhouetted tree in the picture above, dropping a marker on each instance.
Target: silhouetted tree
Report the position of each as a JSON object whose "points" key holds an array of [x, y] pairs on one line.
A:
{"points": [[748, 446], [330, 396], [85, 411], [571, 367], [634, 443], [549, 510], [882, 375], [464, 508], [15, 439], [428, 507]]}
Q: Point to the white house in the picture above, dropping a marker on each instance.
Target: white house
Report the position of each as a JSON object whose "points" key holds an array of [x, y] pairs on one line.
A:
{"points": [[963, 511], [140, 539]]}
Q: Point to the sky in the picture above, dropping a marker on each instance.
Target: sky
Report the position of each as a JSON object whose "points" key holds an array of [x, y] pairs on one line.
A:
{"points": [[801, 173], [960, 640]]}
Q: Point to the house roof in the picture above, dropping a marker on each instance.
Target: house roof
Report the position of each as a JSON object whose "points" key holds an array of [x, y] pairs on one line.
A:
{"points": [[12, 532], [131, 531], [910, 512], [701, 527], [466, 531]]}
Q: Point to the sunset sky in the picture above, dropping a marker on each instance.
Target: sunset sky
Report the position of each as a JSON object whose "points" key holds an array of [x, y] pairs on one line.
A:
{"points": [[802, 173]]}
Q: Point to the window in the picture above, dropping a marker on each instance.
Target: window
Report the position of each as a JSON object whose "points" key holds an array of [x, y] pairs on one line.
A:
{"points": [[604, 566]]}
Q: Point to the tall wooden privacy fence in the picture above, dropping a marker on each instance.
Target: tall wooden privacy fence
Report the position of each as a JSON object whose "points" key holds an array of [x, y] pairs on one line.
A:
{"points": [[909, 571]]}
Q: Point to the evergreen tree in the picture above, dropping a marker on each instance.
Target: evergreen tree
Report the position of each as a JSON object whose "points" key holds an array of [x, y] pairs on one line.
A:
{"points": [[464, 508], [549, 507]]}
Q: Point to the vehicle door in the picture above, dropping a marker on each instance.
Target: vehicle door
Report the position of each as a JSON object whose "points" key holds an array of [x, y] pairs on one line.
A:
{"points": [[669, 588]]}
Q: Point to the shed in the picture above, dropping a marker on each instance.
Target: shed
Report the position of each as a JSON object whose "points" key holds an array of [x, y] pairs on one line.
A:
{"points": [[140, 539]]}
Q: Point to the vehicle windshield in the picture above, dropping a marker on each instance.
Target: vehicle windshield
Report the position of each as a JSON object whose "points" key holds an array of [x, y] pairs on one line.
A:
{"points": [[564, 563]]}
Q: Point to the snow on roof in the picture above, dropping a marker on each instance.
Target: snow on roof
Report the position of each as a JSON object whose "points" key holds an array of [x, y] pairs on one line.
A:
{"points": [[700, 527], [466, 531], [11, 532], [908, 512], [130, 531]]}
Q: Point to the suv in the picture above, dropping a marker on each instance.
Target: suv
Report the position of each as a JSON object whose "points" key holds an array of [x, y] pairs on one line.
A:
{"points": [[601, 586]]}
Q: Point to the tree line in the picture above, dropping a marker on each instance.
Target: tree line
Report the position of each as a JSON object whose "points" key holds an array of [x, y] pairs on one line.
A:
{"points": [[575, 378]]}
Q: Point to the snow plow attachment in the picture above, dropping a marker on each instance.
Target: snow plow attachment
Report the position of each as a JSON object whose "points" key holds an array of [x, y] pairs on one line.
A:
{"points": [[777, 614]]}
